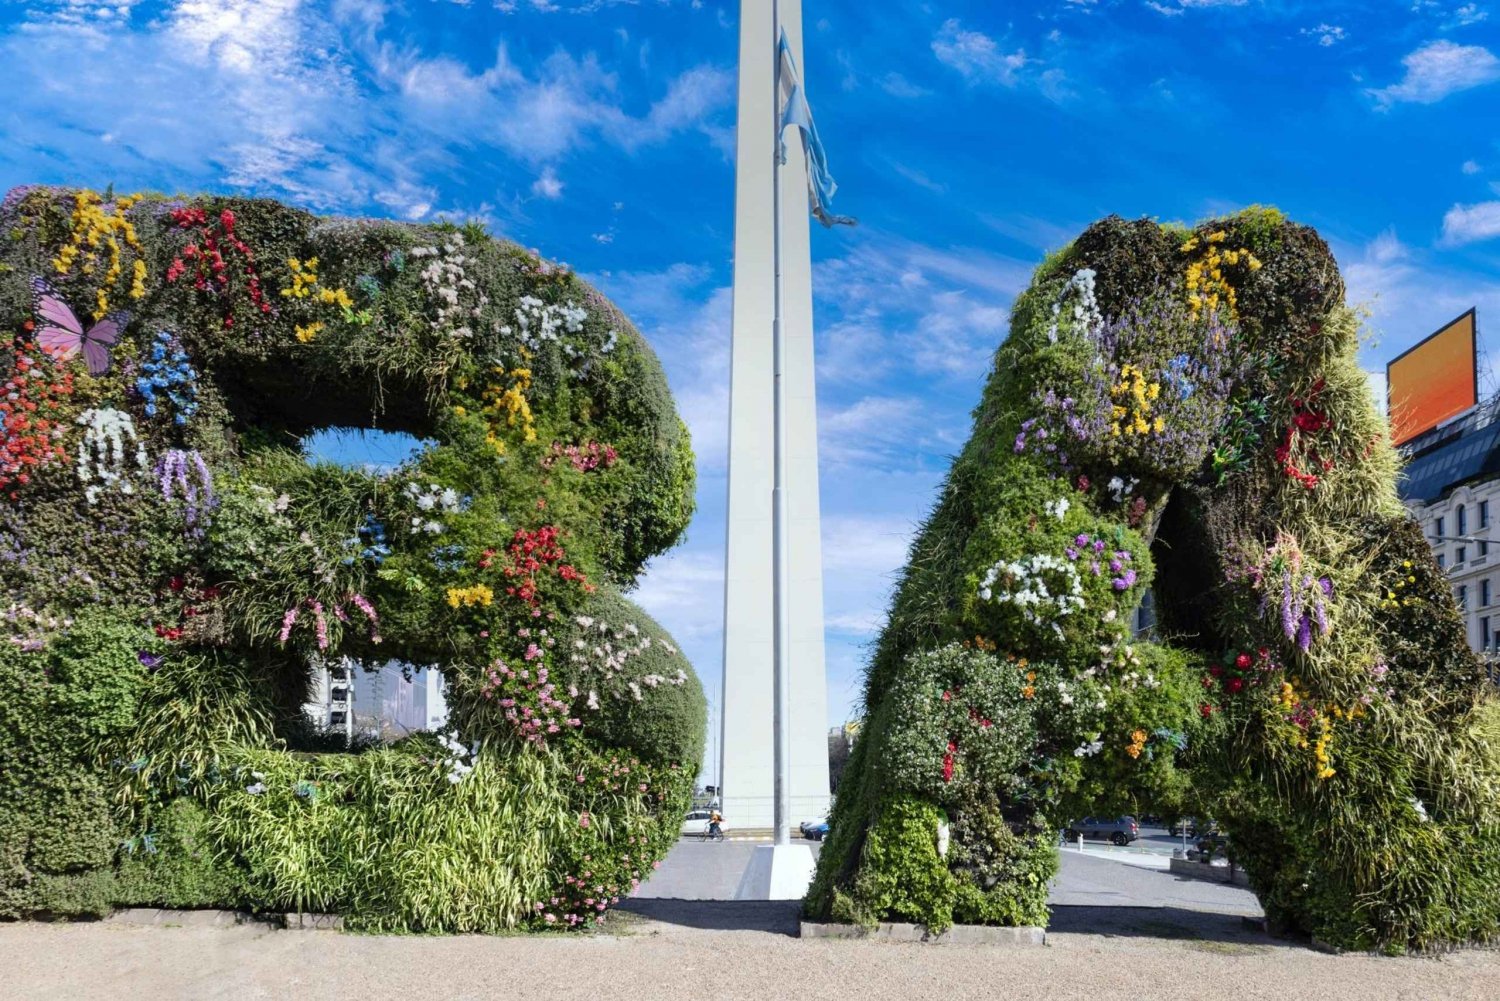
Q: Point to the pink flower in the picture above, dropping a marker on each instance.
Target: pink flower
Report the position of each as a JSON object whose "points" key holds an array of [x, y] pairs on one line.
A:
{"points": [[583, 819]]}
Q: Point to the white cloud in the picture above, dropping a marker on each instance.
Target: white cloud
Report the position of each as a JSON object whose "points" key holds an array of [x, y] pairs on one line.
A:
{"points": [[918, 178], [1471, 223], [1471, 167], [1184, 5], [687, 320], [1469, 13], [1326, 34], [547, 186], [1438, 69], [685, 588], [897, 85], [976, 56]]}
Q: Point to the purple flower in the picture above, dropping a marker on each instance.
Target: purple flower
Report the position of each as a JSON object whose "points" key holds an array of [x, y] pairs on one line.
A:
{"points": [[1099, 545], [1081, 541], [1304, 634], [149, 661]]}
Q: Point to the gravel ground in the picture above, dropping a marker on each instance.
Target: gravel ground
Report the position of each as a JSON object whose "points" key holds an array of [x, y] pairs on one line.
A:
{"points": [[1117, 931], [648, 959]]}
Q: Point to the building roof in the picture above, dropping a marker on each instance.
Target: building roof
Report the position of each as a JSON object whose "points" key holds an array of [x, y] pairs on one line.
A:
{"points": [[1473, 454]]}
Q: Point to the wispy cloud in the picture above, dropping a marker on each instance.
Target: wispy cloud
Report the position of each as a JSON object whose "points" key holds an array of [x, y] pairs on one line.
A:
{"points": [[976, 56], [1438, 69], [1471, 223], [1327, 35], [897, 85], [548, 185]]}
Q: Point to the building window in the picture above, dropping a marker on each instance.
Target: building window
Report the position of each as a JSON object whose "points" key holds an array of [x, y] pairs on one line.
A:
{"points": [[1442, 560], [1463, 519], [1438, 526], [1484, 632], [1460, 555], [1484, 548], [1484, 593], [1484, 514], [1462, 594]]}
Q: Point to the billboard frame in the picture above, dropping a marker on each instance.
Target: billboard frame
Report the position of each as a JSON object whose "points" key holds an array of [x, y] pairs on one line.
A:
{"points": [[1472, 311]]}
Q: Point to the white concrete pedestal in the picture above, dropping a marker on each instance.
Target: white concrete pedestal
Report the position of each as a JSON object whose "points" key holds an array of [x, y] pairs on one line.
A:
{"points": [[777, 872]]}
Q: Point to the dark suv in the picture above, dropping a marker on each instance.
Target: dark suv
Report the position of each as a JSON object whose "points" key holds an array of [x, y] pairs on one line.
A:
{"points": [[1118, 830]]}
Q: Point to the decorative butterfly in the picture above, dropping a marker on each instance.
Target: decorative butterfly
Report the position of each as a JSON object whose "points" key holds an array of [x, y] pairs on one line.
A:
{"points": [[62, 335]]}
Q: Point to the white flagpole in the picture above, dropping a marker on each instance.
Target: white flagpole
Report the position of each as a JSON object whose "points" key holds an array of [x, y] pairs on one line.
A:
{"points": [[781, 735]]}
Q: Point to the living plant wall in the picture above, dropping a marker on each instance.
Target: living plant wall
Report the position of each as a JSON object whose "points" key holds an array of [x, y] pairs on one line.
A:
{"points": [[1177, 411], [175, 566]]}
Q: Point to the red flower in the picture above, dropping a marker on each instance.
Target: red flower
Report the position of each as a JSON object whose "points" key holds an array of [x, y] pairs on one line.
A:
{"points": [[1235, 684], [1216, 670], [947, 696], [1263, 653], [1242, 661], [1206, 710]]}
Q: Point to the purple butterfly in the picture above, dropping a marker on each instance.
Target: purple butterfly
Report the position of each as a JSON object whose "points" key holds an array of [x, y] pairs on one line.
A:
{"points": [[61, 335]]}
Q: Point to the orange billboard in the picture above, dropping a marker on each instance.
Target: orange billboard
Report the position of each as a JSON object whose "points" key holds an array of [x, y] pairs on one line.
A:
{"points": [[1434, 381]]}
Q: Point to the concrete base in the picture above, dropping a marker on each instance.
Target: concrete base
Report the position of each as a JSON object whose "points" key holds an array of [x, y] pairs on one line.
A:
{"points": [[956, 935], [166, 917], [777, 872], [1205, 870]]}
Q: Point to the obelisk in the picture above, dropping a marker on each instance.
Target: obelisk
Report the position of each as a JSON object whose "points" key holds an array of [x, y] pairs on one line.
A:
{"points": [[747, 765]]}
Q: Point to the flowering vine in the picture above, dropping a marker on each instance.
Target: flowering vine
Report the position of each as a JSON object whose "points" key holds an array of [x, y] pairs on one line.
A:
{"points": [[1207, 286], [459, 302], [530, 704], [168, 380], [205, 257], [31, 408], [584, 458], [97, 240], [109, 453], [184, 474]]}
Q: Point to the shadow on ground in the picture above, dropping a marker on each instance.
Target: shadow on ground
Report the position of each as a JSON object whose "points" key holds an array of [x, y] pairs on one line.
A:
{"points": [[1156, 922], [777, 917]]}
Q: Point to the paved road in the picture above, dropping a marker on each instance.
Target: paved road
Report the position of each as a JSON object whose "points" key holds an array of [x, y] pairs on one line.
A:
{"points": [[711, 871]]}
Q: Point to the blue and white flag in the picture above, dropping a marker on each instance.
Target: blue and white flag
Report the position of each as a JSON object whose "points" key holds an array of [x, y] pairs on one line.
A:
{"points": [[796, 114]]}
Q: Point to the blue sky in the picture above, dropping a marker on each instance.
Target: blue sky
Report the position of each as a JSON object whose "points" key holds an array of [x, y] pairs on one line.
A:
{"points": [[968, 137]]}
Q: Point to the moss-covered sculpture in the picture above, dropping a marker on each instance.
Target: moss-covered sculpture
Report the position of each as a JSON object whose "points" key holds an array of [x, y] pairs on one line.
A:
{"points": [[174, 564], [1180, 410]]}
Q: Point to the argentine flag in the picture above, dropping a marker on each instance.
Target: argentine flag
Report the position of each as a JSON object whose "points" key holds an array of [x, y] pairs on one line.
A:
{"points": [[796, 114]]}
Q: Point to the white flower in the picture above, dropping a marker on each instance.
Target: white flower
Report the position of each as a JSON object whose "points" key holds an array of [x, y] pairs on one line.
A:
{"points": [[1059, 507]]}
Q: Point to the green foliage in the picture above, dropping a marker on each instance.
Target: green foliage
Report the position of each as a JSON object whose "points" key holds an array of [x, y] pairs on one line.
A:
{"points": [[902, 876], [1311, 684], [171, 591], [666, 722], [177, 863], [958, 722]]}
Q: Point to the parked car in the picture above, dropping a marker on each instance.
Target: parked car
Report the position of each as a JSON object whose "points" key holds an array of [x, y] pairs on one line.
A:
{"points": [[1118, 830], [816, 831], [810, 823], [696, 822], [1187, 825]]}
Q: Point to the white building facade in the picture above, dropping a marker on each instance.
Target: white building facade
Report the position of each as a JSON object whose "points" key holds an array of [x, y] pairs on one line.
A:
{"points": [[1451, 486]]}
